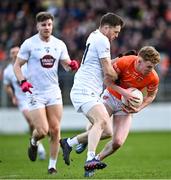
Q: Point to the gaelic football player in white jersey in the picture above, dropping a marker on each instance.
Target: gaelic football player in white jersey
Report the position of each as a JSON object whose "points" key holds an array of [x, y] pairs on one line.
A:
{"points": [[42, 53], [18, 98], [88, 86]]}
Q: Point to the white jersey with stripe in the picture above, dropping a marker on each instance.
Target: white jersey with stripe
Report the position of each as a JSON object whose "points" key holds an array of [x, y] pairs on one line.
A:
{"points": [[9, 78], [90, 74], [43, 59]]}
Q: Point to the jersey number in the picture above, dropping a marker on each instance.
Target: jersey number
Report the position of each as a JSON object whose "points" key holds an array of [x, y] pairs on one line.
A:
{"points": [[85, 53]]}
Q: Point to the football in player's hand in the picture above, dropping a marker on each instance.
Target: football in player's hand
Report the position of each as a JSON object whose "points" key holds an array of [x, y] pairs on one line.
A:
{"points": [[137, 93]]}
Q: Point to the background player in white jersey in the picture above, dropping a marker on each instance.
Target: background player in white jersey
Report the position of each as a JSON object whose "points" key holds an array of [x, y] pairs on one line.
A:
{"points": [[88, 85], [43, 52], [18, 98]]}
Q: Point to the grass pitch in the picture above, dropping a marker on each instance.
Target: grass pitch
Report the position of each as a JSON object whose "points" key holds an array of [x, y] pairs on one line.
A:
{"points": [[144, 156]]}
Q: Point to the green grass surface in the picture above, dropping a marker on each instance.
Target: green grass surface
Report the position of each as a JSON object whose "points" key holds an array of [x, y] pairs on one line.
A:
{"points": [[143, 156]]}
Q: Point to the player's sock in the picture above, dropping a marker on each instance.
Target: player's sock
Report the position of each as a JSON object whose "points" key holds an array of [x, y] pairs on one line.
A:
{"points": [[40, 147], [52, 163], [33, 141], [41, 151], [72, 141], [90, 155], [97, 157]]}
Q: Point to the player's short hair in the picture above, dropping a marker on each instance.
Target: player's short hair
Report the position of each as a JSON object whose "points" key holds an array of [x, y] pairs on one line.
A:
{"points": [[43, 16], [14, 46], [149, 53], [111, 19]]}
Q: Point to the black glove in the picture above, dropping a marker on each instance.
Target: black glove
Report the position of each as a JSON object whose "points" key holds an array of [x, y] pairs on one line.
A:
{"points": [[127, 53]]}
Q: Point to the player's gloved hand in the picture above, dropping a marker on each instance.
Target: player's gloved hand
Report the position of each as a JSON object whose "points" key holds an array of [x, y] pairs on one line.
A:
{"points": [[25, 86], [74, 65], [127, 53]]}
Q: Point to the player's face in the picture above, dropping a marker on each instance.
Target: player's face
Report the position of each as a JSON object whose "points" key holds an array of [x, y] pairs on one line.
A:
{"points": [[113, 32], [45, 28], [145, 67], [13, 53]]}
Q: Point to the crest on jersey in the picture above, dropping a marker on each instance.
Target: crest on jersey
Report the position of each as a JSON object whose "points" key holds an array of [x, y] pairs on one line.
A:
{"points": [[47, 61]]}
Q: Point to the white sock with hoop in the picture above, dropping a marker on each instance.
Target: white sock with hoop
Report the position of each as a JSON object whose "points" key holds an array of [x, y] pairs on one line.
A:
{"points": [[72, 141]]}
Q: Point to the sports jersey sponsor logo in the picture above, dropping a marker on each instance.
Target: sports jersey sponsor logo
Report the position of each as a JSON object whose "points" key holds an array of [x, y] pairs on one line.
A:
{"points": [[47, 61]]}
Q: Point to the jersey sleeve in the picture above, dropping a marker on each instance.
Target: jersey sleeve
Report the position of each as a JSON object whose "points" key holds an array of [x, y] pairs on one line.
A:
{"points": [[64, 52], [25, 50], [120, 64], [154, 83], [6, 79], [103, 48]]}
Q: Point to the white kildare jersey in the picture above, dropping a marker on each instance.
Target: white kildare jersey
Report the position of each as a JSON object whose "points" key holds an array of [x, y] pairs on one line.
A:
{"points": [[90, 74], [42, 61], [9, 78]]}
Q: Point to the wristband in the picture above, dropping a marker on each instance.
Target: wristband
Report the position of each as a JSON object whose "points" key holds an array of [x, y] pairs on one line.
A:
{"points": [[22, 81]]}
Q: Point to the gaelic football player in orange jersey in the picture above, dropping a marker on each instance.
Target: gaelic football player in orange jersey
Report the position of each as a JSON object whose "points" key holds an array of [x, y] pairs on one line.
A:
{"points": [[133, 71]]}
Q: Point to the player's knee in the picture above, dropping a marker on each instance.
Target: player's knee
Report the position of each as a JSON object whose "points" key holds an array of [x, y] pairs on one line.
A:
{"points": [[43, 131], [103, 123], [108, 133], [117, 143], [100, 123], [54, 131]]}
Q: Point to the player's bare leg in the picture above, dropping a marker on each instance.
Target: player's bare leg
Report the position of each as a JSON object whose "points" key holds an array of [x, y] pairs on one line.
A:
{"points": [[83, 138], [41, 129], [54, 115], [41, 149], [121, 129], [28, 119], [82, 146], [99, 117]]}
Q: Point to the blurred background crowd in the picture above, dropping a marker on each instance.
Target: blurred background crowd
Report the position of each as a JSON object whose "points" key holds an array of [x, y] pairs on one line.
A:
{"points": [[147, 22]]}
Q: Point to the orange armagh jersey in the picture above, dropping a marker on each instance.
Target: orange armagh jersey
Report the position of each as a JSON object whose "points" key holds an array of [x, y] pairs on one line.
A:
{"points": [[129, 77]]}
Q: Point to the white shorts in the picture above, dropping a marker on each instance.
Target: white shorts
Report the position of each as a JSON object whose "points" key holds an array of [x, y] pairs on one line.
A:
{"points": [[114, 103], [41, 100], [22, 101], [22, 105], [84, 100]]}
